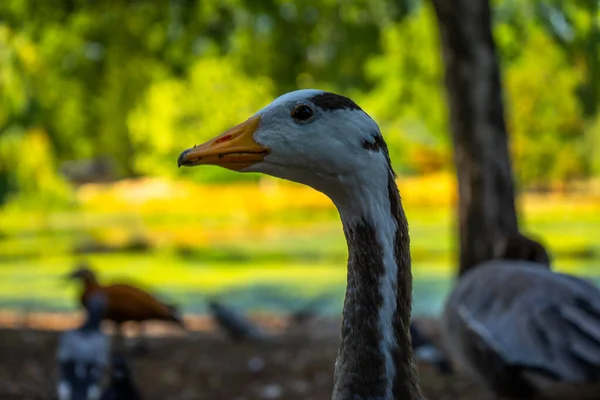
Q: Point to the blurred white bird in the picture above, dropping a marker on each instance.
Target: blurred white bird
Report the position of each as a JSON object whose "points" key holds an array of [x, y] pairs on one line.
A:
{"points": [[83, 355]]}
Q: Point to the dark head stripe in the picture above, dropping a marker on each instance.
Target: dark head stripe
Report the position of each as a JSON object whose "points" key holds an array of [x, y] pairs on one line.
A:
{"points": [[330, 101]]}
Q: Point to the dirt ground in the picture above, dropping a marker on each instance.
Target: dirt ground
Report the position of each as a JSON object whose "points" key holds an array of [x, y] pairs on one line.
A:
{"points": [[206, 365]]}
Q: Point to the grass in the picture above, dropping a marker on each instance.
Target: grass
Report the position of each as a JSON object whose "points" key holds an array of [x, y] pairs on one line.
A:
{"points": [[266, 246]]}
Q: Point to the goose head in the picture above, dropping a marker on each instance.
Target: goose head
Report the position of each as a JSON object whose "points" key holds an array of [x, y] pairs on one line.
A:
{"points": [[83, 274], [312, 137], [326, 141], [520, 247]]}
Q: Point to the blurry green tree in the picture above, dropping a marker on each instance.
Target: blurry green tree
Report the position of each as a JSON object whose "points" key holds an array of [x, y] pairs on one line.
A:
{"points": [[179, 112], [408, 100], [546, 120]]}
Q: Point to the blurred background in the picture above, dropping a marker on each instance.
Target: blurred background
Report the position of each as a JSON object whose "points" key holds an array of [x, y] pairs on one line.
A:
{"points": [[98, 98]]}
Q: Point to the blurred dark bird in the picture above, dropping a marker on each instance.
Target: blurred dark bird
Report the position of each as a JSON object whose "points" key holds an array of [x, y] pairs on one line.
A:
{"points": [[125, 302], [237, 327], [121, 385], [303, 315], [426, 351], [306, 313], [96, 170], [83, 355], [524, 330]]}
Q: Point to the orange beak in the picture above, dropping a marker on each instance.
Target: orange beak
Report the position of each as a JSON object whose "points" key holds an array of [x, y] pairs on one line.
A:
{"points": [[234, 149]]}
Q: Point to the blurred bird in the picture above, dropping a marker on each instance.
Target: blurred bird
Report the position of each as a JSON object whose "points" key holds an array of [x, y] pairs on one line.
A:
{"points": [[83, 355], [234, 325], [426, 351], [308, 312], [121, 386], [303, 315], [524, 330], [125, 302]]}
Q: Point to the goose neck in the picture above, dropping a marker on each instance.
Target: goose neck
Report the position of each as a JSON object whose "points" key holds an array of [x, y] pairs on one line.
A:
{"points": [[375, 358]]}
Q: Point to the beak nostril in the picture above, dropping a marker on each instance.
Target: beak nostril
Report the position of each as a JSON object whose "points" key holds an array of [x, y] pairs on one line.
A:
{"points": [[223, 139]]}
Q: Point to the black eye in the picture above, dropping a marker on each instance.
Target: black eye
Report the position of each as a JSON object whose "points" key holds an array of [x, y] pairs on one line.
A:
{"points": [[302, 113]]}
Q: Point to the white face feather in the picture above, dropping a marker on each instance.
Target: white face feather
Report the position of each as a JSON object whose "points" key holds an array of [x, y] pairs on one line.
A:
{"points": [[325, 152]]}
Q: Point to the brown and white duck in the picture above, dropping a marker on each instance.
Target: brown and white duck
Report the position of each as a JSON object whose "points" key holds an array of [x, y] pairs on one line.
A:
{"points": [[125, 303], [524, 330], [326, 141]]}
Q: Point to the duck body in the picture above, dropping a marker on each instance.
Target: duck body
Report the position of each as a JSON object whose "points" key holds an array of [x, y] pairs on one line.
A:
{"points": [[125, 302], [525, 330], [128, 303], [82, 363], [82, 355]]}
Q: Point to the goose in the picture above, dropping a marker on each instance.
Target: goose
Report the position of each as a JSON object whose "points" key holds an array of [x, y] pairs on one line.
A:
{"points": [[125, 302], [326, 141], [524, 330], [82, 355]]}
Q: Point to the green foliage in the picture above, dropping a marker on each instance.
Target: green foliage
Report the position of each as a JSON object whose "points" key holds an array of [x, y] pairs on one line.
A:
{"points": [[25, 178], [570, 41], [408, 98], [137, 81], [545, 117], [27, 173], [178, 113], [592, 145]]}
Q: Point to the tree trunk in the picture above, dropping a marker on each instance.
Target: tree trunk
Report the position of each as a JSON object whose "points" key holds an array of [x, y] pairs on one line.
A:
{"points": [[486, 206]]}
